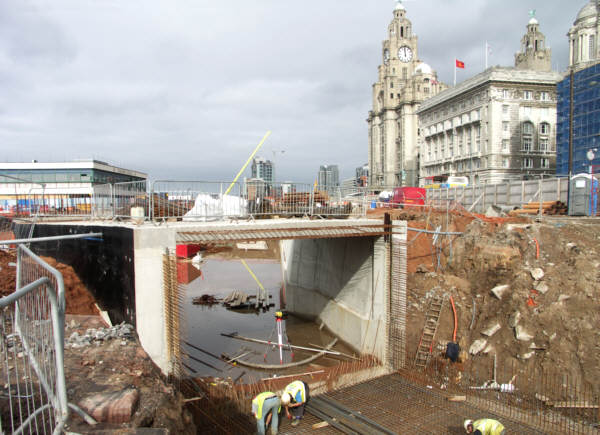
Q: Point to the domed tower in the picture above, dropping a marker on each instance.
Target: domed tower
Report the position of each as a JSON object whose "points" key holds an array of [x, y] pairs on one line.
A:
{"points": [[534, 54], [403, 83], [583, 37]]}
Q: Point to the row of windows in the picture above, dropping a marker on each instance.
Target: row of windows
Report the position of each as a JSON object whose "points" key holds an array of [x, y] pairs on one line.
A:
{"points": [[527, 163], [528, 128], [62, 176], [527, 95]]}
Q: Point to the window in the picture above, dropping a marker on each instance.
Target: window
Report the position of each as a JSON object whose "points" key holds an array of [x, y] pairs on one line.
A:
{"points": [[477, 164], [592, 47], [544, 145], [528, 162], [505, 109], [527, 95], [527, 110], [527, 128], [505, 126], [544, 128], [392, 95], [391, 84], [545, 163], [526, 144], [505, 163], [544, 96], [404, 73], [505, 94], [426, 90], [505, 143]]}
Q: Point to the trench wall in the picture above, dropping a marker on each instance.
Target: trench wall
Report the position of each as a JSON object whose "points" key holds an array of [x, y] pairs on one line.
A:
{"points": [[342, 283]]}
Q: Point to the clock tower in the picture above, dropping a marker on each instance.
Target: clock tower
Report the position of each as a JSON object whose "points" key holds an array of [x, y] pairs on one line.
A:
{"points": [[404, 82]]}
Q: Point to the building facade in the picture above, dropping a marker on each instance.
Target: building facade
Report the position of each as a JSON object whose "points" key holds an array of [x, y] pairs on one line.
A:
{"points": [[68, 183], [403, 83], [583, 37], [496, 126], [328, 177], [263, 169]]}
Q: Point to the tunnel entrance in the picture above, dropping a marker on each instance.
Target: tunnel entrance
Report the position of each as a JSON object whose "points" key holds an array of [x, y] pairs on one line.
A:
{"points": [[333, 281]]}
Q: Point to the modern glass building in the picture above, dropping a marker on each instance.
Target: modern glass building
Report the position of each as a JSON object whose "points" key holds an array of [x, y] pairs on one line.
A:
{"points": [[586, 121]]}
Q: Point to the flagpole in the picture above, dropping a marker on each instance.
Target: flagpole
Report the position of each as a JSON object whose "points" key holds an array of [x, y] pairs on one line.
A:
{"points": [[454, 72], [486, 55]]}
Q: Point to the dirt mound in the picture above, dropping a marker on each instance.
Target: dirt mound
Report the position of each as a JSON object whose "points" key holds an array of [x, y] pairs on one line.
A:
{"points": [[548, 316], [78, 299]]}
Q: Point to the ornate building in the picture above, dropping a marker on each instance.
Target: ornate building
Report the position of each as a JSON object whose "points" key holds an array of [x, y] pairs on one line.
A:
{"points": [[403, 83], [583, 37], [498, 125]]}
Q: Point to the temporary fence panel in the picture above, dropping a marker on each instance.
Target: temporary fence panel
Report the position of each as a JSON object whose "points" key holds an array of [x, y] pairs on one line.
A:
{"points": [[32, 322], [103, 202], [512, 193], [130, 199]]}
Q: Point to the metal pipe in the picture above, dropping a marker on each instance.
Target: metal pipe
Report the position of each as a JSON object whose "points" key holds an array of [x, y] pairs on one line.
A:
{"points": [[49, 238], [270, 343]]}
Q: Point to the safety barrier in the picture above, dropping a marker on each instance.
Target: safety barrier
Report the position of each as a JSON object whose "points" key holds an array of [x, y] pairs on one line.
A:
{"points": [[32, 322]]}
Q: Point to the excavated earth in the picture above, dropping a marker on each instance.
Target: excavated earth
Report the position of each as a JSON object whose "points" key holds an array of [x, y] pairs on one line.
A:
{"points": [[547, 319]]}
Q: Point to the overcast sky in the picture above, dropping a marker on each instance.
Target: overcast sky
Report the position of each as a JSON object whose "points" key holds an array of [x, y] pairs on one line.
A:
{"points": [[185, 89]]}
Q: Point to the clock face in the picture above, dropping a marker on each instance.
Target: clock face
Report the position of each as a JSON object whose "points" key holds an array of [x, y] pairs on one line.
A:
{"points": [[405, 54]]}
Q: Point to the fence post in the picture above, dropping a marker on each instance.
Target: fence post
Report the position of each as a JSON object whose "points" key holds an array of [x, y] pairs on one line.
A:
{"points": [[483, 198], [522, 192], [151, 202]]}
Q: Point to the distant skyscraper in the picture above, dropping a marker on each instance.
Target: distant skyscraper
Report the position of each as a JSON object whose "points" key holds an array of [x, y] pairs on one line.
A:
{"points": [[329, 177], [263, 169], [362, 175]]}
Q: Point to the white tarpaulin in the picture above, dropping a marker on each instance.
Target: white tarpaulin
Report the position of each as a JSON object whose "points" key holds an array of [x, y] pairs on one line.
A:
{"points": [[213, 207]]}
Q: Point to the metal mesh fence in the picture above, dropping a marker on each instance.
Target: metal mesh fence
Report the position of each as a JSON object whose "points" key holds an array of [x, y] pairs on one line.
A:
{"points": [[32, 320]]}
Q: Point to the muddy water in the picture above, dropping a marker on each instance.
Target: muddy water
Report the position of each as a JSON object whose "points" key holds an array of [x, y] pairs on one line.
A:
{"points": [[202, 325]]}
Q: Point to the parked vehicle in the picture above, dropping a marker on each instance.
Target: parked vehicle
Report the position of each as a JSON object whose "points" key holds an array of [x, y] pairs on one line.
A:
{"points": [[408, 196]]}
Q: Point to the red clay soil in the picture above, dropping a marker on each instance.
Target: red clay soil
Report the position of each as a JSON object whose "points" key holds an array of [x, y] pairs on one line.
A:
{"points": [[79, 300]]}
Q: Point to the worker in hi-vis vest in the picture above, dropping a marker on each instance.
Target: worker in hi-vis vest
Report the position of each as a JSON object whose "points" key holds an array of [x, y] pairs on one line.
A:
{"points": [[294, 398], [484, 426], [266, 407]]}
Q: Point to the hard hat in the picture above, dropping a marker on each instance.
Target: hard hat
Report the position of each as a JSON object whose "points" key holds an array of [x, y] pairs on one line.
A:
{"points": [[467, 424], [285, 398]]}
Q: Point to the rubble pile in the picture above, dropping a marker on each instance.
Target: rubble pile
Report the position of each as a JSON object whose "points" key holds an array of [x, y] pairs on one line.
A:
{"points": [[123, 332]]}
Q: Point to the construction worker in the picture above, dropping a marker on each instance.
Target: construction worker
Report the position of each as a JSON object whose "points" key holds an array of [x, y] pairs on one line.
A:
{"points": [[484, 426], [266, 407], [294, 399]]}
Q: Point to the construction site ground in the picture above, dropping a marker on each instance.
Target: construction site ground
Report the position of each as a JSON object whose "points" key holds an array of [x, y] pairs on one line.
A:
{"points": [[559, 311]]}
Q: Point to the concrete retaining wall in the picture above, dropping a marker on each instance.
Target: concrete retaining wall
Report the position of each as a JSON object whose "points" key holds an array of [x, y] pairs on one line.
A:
{"points": [[340, 282]]}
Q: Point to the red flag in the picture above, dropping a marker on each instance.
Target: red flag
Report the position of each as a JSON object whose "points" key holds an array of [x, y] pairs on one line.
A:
{"points": [[460, 64]]}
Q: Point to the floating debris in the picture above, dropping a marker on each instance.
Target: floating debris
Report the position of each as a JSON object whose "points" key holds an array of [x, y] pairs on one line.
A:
{"points": [[205, 300]]}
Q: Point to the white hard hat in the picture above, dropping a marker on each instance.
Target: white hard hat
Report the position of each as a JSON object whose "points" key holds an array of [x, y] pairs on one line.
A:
{"points": [[285, 398], [467, 424]]}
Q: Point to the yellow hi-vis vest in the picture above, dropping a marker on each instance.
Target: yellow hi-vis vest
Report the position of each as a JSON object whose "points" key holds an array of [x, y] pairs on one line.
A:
{"points": [[293, 388], [259, 401], [488, 426]]}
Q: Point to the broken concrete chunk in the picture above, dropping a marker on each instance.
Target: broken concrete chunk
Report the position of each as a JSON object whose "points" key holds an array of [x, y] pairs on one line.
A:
{"points": [[499, 290], [491, 329], [527, 355], [514, 318], [537, 273], [421, 268], [494, 211], [477, 346], [541, 287], [489, 349], [563, 298], [521, 334]]}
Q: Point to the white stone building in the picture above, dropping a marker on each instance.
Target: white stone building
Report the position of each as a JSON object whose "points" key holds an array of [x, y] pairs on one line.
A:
{"points": [[496, 126], [583, 37], [404, 82]]}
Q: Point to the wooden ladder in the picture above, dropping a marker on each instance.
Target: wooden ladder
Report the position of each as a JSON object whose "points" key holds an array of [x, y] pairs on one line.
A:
{"points": [[432, 320]]}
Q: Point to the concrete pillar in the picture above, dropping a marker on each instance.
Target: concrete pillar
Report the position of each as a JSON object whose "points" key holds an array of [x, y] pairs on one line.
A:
{"points": [[396, 357]]}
